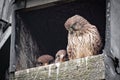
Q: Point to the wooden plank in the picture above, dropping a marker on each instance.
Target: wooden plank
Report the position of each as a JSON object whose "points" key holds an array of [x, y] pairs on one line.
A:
{"points": [[5, 36], [89, 68], [5, 11], [1, 7], [39, 4], [32, 3]]}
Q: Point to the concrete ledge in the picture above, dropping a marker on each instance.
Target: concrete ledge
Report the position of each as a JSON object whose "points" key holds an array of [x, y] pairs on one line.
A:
{"points": [[89, 68]]}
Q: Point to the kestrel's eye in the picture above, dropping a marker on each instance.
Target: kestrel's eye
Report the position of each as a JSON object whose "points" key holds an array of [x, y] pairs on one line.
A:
{"points": [[39, 63], [76, 27], [51, 61], [57, 56]]}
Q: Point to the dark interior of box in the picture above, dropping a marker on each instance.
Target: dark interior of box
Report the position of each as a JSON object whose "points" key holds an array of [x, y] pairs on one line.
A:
{"points": [[4, 59], [46, 25]]}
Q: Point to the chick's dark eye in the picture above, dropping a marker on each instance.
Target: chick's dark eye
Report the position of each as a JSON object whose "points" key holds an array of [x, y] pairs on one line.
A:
{"points": [[39, 63], [57, 56]]}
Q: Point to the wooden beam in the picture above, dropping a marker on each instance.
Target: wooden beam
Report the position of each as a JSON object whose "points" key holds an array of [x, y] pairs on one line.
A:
{"points": [[89, 68], [39, 4], [32, 3], [5, 36], [1, 7]]}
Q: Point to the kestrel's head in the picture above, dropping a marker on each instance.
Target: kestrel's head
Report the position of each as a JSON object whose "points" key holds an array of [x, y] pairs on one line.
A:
{"points": [[75, 23], [44, 60], [61, 56]]}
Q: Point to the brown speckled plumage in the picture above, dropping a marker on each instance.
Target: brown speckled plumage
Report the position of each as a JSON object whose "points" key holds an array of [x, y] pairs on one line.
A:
{"points": [[44, 60], [61, 56], [83, 38]]}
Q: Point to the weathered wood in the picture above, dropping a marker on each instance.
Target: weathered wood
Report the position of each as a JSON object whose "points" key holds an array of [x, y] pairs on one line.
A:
{"points": [[32, 3], [1, 7], [5, 36], [38, 4], [89, 68], [26, 47], [5, 10], [4, 7]]}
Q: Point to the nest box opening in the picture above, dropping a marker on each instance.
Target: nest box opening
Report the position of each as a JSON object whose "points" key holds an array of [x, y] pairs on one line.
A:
{"points": [[41, 31]]}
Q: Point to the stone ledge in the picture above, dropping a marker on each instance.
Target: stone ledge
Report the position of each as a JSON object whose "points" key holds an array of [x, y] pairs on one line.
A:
{"points": [[89, 68]]}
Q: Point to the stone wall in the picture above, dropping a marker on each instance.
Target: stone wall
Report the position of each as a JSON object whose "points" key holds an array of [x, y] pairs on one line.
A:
{"points": [[89, 68]]}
